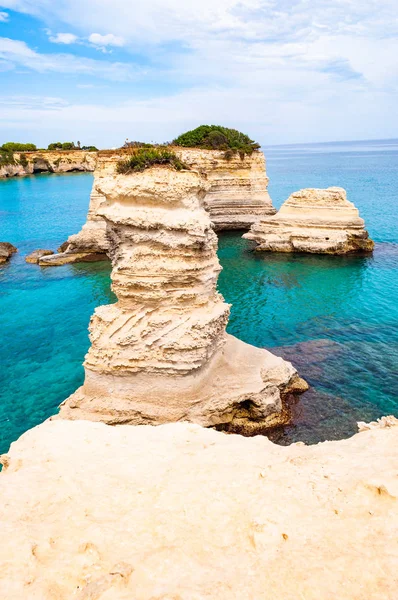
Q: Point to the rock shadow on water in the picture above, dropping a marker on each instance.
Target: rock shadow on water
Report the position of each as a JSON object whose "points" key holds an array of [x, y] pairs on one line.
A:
{"points": [[319, 415]]}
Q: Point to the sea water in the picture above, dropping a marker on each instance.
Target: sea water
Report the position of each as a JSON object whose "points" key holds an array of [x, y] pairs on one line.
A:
{"points": [[334, 318]]}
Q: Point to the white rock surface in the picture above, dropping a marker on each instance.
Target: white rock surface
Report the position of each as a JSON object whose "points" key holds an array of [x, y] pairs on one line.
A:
{"points": [[177, 512]]}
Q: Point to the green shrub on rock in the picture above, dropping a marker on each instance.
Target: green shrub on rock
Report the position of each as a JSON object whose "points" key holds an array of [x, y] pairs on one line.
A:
{"points": [[55, 146], [144, 158], [216, 137]]}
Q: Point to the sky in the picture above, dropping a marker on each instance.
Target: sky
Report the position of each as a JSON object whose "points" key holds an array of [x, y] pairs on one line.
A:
{"points": [[282, 71]]}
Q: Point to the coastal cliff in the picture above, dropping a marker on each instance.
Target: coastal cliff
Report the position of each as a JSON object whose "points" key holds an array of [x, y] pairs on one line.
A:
{"points": [[237, 196], [318, 221], [48, 161], [90, 512], [161, 352]]}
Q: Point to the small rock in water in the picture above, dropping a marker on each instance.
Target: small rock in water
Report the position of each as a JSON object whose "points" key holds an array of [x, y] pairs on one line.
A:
{"points": [[36, 255], [6, 250]]}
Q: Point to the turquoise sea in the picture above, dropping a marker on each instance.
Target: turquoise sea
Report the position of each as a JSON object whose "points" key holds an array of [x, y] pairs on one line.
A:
{"points": [[335, 318]]}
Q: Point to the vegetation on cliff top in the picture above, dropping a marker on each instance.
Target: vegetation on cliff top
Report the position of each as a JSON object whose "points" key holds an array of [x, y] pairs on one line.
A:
{"points": [[142, 158], [216, 137], [70, 146], [17, 147], [7, 153]]}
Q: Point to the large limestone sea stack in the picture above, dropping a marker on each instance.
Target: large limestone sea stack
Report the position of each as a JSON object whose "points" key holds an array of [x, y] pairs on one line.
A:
{"points": [[316, 221], [161, 353]]}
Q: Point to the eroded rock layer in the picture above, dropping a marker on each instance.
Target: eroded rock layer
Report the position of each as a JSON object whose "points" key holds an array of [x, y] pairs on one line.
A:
{"points": [[313, 220], [90, 512], [237, 196], [161, 352]]}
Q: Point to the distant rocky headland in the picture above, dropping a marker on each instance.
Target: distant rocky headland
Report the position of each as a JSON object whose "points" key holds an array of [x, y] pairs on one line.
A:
{"points": [[19, 164]]}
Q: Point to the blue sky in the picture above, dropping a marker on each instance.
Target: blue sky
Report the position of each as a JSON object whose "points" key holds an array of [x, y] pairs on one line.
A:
{"points": [[285, 71]]}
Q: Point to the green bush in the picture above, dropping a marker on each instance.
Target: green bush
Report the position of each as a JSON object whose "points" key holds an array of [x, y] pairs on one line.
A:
{"points": [[90, 148], [62, 146], [216, 137], [144, 158], [17, 147], [55, 146]]}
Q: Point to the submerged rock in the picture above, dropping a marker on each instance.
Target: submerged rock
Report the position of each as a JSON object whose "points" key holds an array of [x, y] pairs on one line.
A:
{"points": [[36, 255], [313, 220], [161, 352], [236, 197], [6, 250], [90, 511], [66, 258]]}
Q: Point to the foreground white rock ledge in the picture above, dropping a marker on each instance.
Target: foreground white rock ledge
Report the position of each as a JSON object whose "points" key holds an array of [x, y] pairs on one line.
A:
{"points": [[90, 511], [315, 221], [161, 353]]}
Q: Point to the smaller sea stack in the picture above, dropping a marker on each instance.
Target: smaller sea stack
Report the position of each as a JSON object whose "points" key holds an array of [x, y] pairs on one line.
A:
{"points": [[318, 221]]}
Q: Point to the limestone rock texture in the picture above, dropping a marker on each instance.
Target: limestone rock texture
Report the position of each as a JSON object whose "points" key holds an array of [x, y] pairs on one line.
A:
{"points": [[6, 251], [91, 240], [48, 161], [237, 197], [316, 221], [161, 352], [36, 255], [90, 512], [238, 194]]}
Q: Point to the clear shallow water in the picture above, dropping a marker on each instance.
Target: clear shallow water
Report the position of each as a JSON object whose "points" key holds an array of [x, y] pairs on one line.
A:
{"points": [[335, 318], [44, 312]]}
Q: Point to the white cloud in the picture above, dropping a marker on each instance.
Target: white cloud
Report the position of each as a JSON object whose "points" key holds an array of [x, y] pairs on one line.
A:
{"points": [[284, 70], [105, 40], [4, 17], [63, 38], [16, 53], [33, 102], [158, 21]]}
